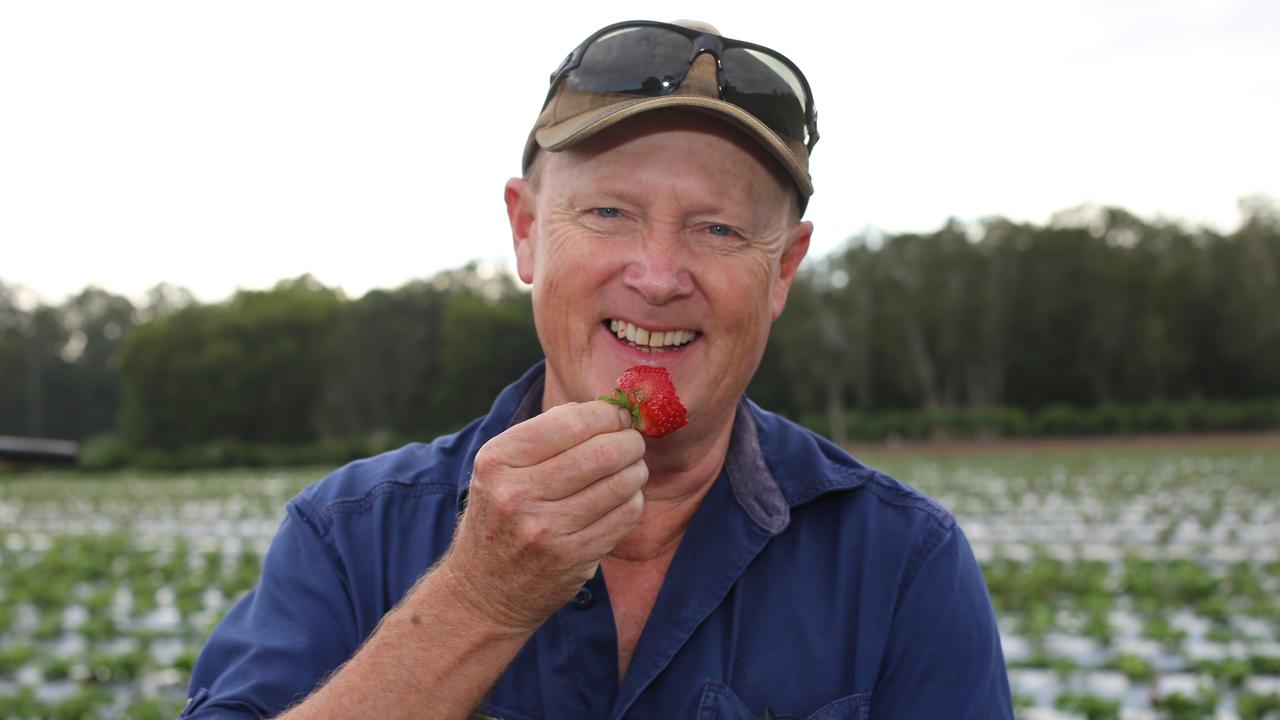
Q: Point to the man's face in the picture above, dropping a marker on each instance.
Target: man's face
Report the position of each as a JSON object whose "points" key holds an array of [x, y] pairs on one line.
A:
{"points": [[671, 225]]}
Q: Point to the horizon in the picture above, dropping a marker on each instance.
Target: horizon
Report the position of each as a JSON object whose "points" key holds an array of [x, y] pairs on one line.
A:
{"points": [[231, 146], [26, 298]]}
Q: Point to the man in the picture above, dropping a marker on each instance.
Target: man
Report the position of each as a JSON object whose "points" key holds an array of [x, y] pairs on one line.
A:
{"points": [[549, 561]]}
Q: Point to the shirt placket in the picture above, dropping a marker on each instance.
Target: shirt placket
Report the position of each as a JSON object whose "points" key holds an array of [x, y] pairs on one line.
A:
{"points": [[721, 541], [579, 648]]}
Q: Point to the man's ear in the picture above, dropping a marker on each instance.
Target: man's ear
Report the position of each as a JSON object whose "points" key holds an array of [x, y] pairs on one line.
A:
{"points": [[520, 212], [792, 253]]}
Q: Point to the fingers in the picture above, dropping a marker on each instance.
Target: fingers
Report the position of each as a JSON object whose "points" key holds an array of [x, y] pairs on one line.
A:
{"points": [[579, 467], [596, 500], [600, 447], [563, 427], [598, 538]]}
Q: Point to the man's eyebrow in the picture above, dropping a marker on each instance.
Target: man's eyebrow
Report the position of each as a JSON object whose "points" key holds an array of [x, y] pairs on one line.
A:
{"points": [[600, 197], [715, 210]]}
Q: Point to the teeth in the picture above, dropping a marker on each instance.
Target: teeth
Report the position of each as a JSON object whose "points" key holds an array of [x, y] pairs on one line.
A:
{"points": [[643, 337]]}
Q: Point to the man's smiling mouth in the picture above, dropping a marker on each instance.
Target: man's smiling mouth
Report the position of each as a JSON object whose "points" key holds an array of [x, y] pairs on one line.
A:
{"points": [[645, 339]]}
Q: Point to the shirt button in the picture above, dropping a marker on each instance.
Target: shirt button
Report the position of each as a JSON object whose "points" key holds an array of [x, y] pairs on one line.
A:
{"points": [[582, 599]]}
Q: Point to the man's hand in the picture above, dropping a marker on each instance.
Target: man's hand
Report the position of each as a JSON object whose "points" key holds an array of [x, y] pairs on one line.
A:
{"points": [[549, 497]]}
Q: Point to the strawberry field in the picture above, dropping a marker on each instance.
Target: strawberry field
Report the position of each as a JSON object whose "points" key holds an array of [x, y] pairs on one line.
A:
{"points": [[1139, 584], [1129, 584], [109, 584]]}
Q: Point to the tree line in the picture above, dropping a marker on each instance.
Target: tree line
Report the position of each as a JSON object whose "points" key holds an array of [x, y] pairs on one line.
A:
{"points": [[1097, 308]]}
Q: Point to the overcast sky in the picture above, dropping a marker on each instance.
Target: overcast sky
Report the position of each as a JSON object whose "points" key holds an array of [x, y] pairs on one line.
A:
{"points": [[224, 145]]}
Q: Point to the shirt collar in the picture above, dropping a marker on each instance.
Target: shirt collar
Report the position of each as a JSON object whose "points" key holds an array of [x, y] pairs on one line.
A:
{"points": [[530, 403], [754, 486]]}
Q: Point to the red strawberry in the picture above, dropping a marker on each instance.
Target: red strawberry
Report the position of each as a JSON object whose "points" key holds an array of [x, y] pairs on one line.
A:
{"points": [[650, 396]]}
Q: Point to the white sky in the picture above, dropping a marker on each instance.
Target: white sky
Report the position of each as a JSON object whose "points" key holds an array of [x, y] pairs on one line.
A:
{"points": [[223, 145]]}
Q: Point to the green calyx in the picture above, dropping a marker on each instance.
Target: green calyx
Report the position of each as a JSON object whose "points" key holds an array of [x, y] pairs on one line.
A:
{"points": [[620, 399]]}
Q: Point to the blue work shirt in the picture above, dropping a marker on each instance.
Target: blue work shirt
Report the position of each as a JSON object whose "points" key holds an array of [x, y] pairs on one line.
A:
{"points": [[807, 585]]}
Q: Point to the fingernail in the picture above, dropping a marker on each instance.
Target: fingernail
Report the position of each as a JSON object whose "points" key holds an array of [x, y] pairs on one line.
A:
{"points": [[626, 417]]}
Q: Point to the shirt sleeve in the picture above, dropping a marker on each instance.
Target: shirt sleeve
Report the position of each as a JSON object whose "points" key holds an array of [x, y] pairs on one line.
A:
{"points": [[283, 637], [943, 657]]}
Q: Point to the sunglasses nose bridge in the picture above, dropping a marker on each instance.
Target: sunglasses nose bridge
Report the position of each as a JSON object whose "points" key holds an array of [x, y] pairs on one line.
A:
{"points": [[713, 46], [702, 78], [707, 43]]}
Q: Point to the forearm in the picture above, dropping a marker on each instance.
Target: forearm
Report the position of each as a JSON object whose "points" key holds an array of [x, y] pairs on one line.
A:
{"points": [[433, 656]]}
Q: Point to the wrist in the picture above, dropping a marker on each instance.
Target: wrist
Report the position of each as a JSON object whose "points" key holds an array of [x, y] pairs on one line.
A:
{"points": [[479, 612]]}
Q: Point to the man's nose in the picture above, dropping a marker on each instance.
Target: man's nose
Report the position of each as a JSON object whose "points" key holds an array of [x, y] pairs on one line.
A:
{"points": [[657, 271]]}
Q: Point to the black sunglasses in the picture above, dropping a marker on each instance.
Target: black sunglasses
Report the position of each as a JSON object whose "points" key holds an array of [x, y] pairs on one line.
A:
{"points": [[651, 59]]}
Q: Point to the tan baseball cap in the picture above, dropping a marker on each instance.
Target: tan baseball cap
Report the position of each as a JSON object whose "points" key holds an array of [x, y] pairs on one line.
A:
{"points": [[571, 116]]}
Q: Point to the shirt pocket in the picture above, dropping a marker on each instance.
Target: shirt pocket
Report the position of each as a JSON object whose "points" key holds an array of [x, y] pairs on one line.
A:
{"points": [[194, 702], [855, 707], [720, 702]]}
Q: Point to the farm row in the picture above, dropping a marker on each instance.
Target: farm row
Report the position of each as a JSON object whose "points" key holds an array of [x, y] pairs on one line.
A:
{"points": [[1135, 585]]}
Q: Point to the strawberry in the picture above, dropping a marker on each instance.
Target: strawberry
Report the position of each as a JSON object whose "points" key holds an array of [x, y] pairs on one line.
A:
{"points": [[650, 396]]}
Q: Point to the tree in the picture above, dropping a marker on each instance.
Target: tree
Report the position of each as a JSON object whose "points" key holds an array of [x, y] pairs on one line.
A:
{"points": [[248, 370]]}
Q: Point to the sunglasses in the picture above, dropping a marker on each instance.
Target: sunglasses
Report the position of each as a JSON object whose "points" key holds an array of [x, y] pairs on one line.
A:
{"points": [[652, 59]]}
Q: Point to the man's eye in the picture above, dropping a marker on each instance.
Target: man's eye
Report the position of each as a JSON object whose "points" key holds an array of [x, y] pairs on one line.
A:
{"points": [[720, 230], [608, 212]]}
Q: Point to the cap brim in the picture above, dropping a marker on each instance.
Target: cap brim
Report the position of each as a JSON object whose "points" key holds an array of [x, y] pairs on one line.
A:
{"points": [[575, 129]]}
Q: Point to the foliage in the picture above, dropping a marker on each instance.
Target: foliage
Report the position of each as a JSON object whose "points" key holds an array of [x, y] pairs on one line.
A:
{"points": [[1098, 309], [1258, 707], [1093, 708], [245, 370], [1133, 667], [1178, 706]]}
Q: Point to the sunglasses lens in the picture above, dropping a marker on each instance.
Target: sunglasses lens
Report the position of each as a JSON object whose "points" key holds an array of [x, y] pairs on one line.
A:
{"points": [[636, 61], [767, 88], [653, 61]]}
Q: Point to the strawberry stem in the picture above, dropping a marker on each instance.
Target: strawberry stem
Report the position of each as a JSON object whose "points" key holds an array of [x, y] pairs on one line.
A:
{"points": [[620, 399]]}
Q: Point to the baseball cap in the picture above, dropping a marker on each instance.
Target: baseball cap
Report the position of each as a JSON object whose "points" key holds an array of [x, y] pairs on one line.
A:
{"points": [[573, 113]]}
